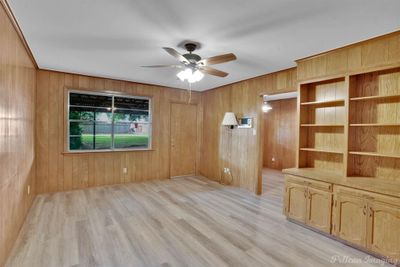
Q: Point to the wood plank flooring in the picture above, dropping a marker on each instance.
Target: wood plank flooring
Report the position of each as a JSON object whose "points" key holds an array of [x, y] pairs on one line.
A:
{"points": [[180, 222]]}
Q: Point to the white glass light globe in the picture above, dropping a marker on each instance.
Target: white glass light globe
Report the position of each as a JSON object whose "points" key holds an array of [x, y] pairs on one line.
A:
{"points": [[266, 107]]}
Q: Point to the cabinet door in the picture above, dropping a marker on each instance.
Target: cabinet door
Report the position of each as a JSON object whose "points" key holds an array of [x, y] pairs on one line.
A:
{"points": [[296, 201], [319, 209], [350, 218], [384, 229]]}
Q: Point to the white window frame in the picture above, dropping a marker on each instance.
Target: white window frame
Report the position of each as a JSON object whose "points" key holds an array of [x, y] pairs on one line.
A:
{"points": [[114, 94]]}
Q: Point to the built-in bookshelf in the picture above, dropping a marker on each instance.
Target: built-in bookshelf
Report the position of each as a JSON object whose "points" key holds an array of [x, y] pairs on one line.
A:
{"points": [[322, 125], [351, 125], [374, 125]]}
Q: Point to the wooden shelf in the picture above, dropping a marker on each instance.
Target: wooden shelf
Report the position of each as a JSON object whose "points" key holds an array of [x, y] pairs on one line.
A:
{"points": [[322, 125], [374, 124], [377, 97], [321, 150], [335, 102], [374, 154]]}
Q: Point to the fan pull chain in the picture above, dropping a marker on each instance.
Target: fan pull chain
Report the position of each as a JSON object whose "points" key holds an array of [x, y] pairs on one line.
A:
{"points": [[190, 93]]}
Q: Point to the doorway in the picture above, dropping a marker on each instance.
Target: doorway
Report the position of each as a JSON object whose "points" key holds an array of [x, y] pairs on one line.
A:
{"points": [[183, 139], [279, 143]]}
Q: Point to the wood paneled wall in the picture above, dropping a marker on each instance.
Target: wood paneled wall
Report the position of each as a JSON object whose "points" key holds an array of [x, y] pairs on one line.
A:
{"points": [[59, 171], [280, 135], [17, 109], [238, 149], [380, 52]]}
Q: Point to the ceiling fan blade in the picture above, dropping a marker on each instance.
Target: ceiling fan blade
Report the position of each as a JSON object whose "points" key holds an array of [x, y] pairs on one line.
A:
{"points": [[212, 71], [217, 59], [163, 66], [176, 55]]}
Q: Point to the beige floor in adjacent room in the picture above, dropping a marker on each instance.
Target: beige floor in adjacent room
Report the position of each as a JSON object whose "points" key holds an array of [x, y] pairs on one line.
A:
{"points": [[180, 222]]}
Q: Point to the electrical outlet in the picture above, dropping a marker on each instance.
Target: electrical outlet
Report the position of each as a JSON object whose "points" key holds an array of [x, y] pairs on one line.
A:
{"points": [[125, 170], [29, 190]]}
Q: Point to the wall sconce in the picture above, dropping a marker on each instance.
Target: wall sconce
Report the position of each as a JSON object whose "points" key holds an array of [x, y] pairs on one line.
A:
{"points": [[266, 107], [229, 120]]}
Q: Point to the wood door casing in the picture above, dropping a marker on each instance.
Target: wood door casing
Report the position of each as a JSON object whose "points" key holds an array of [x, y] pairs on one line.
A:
{"points": [[350, 218], [319, 209], [384, 229], [296, 201], [183, 139]]}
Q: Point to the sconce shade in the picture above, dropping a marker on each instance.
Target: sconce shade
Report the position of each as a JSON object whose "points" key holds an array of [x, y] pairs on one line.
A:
{"points": [[229, 119]]}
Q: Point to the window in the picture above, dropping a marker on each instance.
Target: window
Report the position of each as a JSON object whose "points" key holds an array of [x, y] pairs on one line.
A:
{"points": [[108, 122]]}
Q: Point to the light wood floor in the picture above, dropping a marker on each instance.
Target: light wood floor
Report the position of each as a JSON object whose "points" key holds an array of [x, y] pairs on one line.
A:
{"points": [[181, 222]]}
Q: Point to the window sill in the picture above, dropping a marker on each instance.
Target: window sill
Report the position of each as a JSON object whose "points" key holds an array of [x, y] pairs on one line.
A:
{"points": [[106, 151]]}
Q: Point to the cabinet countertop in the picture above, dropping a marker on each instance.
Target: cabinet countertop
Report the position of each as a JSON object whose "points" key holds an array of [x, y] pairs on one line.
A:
{"points": [[371, 184]]}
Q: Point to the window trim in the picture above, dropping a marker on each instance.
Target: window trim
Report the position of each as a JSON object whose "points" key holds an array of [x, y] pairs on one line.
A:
{"points": [[112, 94]]}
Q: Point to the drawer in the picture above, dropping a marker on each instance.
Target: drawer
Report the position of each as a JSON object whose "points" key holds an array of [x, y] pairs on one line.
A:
{"points": [[367, 195], [309, 182]]}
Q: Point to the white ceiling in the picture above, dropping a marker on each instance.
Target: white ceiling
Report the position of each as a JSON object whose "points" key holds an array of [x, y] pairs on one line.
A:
{"points": [[114, 38]]}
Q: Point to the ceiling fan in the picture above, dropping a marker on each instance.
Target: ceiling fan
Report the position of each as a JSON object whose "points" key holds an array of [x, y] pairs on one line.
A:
{"points": [[194, 67]]}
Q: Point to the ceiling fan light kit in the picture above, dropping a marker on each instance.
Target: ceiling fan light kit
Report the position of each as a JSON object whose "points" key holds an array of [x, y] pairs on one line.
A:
{"points": [[190, 75], [194, 66]]}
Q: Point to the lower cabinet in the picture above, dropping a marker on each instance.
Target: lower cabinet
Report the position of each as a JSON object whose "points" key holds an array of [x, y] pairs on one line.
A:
{"points": [[296, 201], [368, 220], [319, 209], [309, 202], [365, 219], [383, 234], [350, 216]]}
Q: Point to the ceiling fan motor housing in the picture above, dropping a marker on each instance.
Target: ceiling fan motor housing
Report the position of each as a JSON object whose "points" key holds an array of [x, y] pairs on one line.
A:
{"points": [[193, 58], [190, 47]]}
